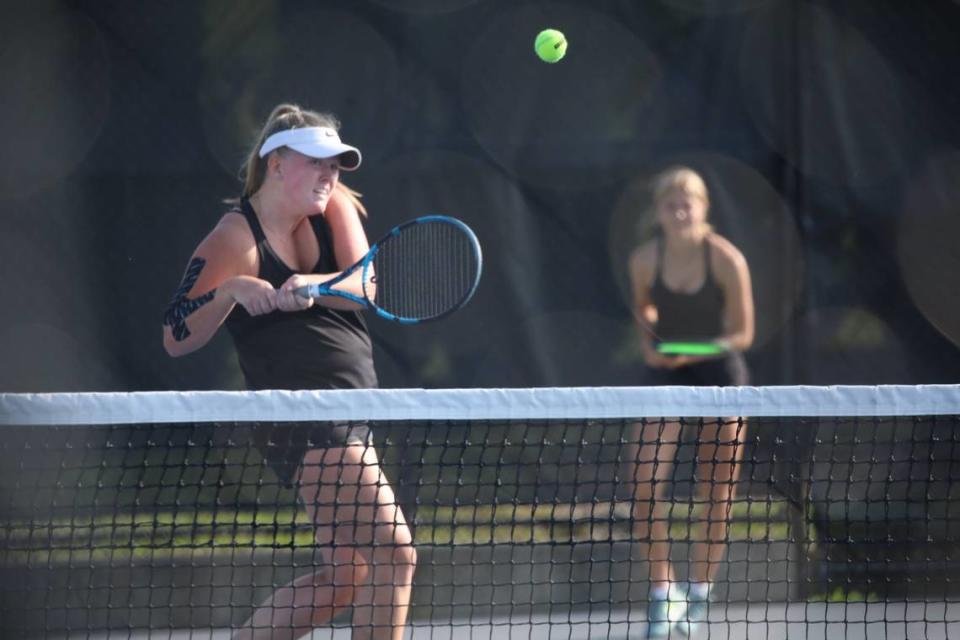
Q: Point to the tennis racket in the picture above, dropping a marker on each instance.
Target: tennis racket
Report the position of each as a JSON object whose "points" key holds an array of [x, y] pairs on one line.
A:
{"points": [[421, 270], [673, 348]]}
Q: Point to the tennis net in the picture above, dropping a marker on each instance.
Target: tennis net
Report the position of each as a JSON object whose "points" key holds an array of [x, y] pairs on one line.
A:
{"points": [[675, 512]]}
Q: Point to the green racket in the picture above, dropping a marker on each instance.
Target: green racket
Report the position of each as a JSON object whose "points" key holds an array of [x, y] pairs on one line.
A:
{"points": [[690, 348]]}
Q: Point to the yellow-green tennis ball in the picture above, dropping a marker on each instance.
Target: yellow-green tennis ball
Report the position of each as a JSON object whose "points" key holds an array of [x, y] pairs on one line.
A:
{"points": [[550, 45]]}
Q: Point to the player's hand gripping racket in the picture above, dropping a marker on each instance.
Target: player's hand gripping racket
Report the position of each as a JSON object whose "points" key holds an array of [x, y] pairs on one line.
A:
{"points": [[421, 270]]}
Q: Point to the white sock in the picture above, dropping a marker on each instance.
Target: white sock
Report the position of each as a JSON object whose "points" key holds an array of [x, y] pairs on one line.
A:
{"points": [[659, 592], [699, 590]]}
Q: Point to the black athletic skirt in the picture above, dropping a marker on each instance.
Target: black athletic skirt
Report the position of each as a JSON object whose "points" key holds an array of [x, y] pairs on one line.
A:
{"points": [[727, 371], [283, 445]]}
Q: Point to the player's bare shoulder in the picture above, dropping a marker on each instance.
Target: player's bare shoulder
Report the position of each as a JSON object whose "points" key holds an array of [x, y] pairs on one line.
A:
{"points": [[231, 242], [342, 207], [727, 260], [643, 260], [725, 250], [232, 228]]}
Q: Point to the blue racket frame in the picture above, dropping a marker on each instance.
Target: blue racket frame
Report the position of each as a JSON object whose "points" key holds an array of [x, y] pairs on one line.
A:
{"points": [[364, 264]]}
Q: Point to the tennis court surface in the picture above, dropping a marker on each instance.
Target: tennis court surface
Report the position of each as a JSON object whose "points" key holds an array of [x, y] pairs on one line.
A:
{"points": [[775, 622], [816, 512]]}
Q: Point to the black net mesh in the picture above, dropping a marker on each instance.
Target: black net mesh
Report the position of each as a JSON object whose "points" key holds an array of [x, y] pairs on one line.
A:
{"points": [[539, 527]]}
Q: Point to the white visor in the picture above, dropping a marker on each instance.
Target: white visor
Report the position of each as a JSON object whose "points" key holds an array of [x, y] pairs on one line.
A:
{"points": [[316, 142]]}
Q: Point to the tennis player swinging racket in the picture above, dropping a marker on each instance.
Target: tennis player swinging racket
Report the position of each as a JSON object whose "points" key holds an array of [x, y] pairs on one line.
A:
{"points": [[288, 271]]}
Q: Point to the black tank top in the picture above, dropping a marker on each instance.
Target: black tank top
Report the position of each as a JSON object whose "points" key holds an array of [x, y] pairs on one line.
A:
{"points": [[688, 316], [318, 348]]}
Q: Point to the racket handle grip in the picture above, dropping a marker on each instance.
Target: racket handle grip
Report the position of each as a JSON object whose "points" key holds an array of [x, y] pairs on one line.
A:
{"points": [[308, 291]]}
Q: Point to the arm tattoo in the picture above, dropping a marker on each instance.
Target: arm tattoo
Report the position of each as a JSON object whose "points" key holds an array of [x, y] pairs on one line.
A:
{"points": [[181, 306]]}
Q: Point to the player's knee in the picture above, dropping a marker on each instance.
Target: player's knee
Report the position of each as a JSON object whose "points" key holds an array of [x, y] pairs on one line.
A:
{"points": [[350, 568], [642, 526], [643, 503], [405, 559]]}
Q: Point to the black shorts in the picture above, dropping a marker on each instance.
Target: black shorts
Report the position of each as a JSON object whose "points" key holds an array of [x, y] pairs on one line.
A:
{"points": [[284, 444], [727, 371]]}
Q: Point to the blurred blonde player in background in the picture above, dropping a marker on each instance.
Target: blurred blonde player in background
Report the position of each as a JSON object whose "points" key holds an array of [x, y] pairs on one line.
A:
{"points": [[688, 284]]}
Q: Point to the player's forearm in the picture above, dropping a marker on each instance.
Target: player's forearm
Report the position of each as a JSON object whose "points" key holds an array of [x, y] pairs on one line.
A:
{"points": [[736, 341], [648, 337], [188, 326]]}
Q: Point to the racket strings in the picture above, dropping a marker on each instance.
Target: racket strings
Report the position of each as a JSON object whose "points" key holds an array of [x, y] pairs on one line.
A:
{"points": [[425, 271]]}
